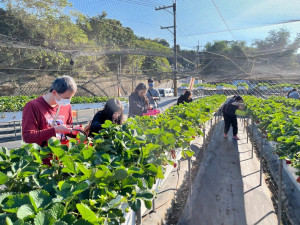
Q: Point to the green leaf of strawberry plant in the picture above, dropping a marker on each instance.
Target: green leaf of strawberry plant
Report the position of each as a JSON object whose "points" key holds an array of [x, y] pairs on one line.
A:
{"points": [[119, 174], [3, 178], [53, 142], [148, 204], [189, 153], [145, 195], [57, 211], [87, 213], [43, 218], [26, 212], [40, 199], [12, 202], [151, 168], [79, 188], [135, 205]]}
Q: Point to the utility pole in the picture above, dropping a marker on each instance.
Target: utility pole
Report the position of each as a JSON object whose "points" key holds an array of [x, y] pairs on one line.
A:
{"points": [[197, 55], [175, 42], [119, 75], [132, 72]]}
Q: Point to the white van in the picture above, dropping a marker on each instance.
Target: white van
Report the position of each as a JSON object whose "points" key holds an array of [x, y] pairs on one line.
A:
{"points": [[166, 92]]}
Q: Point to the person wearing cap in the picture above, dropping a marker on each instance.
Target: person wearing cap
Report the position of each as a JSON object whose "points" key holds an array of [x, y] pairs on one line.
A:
{"points": [[229, 115], [152, 94], [49, 115]]}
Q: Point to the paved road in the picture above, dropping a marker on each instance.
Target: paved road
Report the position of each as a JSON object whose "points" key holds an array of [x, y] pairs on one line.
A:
{"points": [[226, 190]]}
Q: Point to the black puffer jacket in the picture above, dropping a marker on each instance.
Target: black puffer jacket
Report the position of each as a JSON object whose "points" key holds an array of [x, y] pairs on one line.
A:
{"points": [[99, 119], [182, 99]]}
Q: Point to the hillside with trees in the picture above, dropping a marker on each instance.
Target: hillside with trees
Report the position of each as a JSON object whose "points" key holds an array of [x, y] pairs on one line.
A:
{"points": [[277, 54], [48, 37], [55, 40]]}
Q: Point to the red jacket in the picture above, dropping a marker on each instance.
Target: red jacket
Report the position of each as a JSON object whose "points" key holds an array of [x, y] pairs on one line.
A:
{"points": [[37, 119]]}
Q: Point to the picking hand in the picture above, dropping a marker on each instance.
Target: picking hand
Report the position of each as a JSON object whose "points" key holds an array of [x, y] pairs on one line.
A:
{"points": [[62, 129]]}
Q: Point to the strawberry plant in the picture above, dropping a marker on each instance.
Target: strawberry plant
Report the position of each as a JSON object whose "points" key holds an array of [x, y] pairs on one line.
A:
{"points": [[281, 124], [98, 181], [17, 103]]}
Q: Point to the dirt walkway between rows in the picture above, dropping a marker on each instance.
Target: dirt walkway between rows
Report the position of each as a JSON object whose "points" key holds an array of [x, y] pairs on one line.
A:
{"points": [[226, 190]]}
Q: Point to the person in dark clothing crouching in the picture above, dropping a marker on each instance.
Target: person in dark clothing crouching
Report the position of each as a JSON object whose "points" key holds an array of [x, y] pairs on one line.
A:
{"points": [[112, 111], [229, 115], [186, 97]]}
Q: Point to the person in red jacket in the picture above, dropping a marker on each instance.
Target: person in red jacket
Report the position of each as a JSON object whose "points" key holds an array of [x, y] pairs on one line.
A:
{"points": [[48, 116]]}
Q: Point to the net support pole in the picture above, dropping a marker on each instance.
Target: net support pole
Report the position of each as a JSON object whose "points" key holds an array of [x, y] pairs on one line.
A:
{"points": [[216, 117], [139, 217], [15, 128], [190, 178], [279, 192], [190, 185], [20, 122], [260, 161], [252, 139], [153, 205], [247, 130], [203, 137]]}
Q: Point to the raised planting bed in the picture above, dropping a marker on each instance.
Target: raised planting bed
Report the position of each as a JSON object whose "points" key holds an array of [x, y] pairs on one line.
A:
{"points": [[91, 180], [20, 101], [279, 123], [17, 103], [291, 188], [6, 117]]}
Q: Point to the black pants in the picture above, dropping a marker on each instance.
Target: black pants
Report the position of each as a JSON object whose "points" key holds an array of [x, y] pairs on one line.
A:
{"points": [[230, 120]]}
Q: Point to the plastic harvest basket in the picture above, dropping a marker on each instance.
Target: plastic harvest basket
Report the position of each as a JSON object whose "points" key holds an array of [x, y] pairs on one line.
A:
{"points": [[152, 112], [240, 113]]}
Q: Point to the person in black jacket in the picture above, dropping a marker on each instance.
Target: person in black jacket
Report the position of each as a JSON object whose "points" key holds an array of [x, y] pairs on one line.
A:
{"points": [[112, 111], [138, 101], [186, 97], [229, 115]]}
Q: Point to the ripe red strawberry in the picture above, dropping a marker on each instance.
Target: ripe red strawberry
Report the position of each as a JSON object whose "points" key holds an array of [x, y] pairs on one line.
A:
{"points": [[298, 179], [175, 165], [288, 162], [173, 154]]}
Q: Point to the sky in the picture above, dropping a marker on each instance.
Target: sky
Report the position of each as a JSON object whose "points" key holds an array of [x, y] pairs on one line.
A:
{"points": [[200, 20]]}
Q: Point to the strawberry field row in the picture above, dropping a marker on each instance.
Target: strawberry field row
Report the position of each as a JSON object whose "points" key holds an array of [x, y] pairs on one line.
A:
{"points": [[278, 122], [97, 181], [17, 103]]}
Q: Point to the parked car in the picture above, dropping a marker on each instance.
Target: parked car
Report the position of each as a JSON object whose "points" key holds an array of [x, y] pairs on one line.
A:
{"points": [[166, 92]]}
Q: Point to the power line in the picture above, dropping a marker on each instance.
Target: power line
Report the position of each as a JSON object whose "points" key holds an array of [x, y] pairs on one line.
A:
{"points": [[244, 28], [222, 17]]}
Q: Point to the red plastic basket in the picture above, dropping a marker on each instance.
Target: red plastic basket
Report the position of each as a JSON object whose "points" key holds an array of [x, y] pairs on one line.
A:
{"points": [[152, 112]]}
